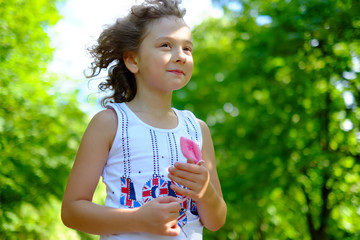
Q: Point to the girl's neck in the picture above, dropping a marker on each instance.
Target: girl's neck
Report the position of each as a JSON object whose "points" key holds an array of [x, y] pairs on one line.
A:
{"points": [[156, 112], [153, 104]]}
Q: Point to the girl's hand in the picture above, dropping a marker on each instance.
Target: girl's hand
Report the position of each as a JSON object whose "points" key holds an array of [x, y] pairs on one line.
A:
{"points": [[194, 177], [159, 216]]}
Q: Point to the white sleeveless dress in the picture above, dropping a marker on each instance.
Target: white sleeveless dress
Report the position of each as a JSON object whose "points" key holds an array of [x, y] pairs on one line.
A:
{"points": [[137, 167]]}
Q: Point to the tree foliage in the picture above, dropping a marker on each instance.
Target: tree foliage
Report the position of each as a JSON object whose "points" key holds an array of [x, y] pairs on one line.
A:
{"points": [[39, 128], [282, 99]]}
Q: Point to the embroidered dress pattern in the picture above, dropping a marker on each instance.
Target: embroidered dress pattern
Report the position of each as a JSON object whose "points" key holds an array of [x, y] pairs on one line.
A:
{"points": [[182, 219], [127, 195], [155, 187], [188, 129], [193, 208]]}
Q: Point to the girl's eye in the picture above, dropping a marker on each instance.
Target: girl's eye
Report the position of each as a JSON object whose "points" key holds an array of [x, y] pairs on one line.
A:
{"points": [[166, 45], [188, 49]]}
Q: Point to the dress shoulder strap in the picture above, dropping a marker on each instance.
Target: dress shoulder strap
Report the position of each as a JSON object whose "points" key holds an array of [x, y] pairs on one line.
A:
{"points": [[192, 126], [122, 125]]}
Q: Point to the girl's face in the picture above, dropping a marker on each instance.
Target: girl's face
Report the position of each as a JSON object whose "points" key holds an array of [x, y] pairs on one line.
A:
{"points": [[164, 61]]}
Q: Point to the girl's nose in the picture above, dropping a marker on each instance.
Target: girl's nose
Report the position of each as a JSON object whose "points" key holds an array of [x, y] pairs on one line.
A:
{"points": [[179, 56]]}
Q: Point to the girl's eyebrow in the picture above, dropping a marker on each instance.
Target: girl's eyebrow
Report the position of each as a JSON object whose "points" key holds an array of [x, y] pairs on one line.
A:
{"points": [[186, 41]]}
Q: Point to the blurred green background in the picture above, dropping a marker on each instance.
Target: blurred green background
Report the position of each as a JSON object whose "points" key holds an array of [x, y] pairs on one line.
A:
{"points": [[276, 81]]}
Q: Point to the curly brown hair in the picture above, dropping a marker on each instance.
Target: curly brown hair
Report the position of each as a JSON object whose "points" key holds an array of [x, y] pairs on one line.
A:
{"points": [[126, 35]]}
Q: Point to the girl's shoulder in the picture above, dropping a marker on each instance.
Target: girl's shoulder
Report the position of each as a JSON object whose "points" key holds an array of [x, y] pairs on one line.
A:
{"points": [[104, 125], [105, 117], [203, 124]]}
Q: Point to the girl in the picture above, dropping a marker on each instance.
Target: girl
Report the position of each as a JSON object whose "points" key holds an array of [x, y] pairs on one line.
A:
{"points": [[153, 192]]}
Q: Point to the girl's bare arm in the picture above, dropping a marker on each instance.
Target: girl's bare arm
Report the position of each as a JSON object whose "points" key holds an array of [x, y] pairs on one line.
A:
{"points": [[212, 207], [202, 184]]}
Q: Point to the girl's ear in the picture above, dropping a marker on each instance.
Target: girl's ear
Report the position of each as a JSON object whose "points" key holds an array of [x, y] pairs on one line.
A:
{"points": [[130, 61]]}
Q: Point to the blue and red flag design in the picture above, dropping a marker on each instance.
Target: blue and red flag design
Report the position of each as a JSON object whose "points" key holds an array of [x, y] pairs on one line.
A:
{"points": [[128, 196], [193, 208], [155, 187], [182, 219]]}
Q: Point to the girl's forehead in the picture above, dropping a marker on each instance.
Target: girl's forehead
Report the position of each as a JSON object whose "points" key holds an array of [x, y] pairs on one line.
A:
{"points": [[169, 25], [168, 19]]}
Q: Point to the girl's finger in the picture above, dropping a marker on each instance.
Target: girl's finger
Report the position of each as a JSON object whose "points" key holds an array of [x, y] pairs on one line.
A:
{"points": [[184, 181], [190, 161], [167, 199], [201, 162], [174, 208], [192, 177], [193, 168], [183, 191], [174, 230]]}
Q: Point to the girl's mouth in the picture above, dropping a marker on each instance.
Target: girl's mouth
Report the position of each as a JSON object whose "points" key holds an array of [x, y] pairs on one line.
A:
{"points": [[177, 71]]}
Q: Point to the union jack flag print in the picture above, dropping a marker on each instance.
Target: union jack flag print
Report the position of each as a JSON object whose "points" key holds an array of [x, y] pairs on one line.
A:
{"points": [[155, 187], [182, 219], [184, 204], [193, 208], [127, 196]]}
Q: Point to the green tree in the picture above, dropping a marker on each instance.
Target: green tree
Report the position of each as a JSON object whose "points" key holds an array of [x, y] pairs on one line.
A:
{"points": [[39, 128], [282, 100]]}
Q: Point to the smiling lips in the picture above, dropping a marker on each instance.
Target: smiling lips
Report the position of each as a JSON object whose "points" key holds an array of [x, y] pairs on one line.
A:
{"points": [[177, 71]]}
